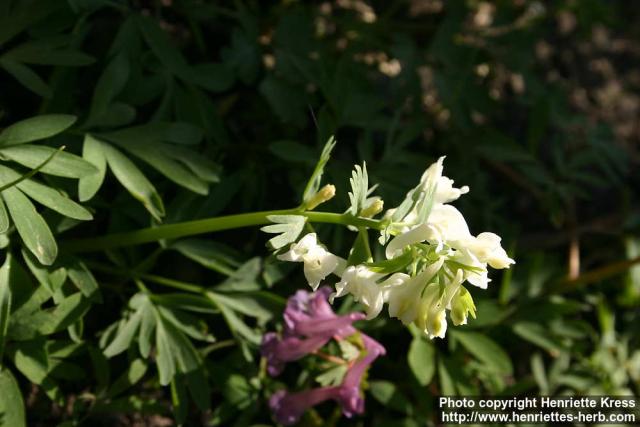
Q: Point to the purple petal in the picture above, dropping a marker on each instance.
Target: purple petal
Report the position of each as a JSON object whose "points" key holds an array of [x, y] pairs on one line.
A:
{"points": [[353, 377], [338, 325], [287, 407], [351, 400], [311, 314], [279, 351]]}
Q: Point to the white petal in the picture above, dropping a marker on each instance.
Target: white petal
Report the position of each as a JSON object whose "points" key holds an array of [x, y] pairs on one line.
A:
{"points": [[417, 234], [446, 192], [451, 224]]}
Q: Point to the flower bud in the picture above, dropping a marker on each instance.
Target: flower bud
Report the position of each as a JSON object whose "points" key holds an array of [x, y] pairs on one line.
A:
{"points": [[325, 193], [461, 306], [374, 208]]}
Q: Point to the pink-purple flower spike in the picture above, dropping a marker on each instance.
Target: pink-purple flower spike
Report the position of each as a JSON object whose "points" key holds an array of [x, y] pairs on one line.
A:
{"points": [[310, 323]]}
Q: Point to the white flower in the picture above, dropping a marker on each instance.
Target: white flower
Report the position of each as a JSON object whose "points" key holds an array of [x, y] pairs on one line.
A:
{"points": [[450, 225], [446, 192], [445, 225], [404, 294], [417, 234], [431, 316], [318, 262], [477, 275], [361, 282], [486, 247], [435, 300]]}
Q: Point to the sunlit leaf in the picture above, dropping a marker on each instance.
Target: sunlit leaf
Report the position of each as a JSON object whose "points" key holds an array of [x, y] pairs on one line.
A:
{"points": [[36, 128], [33, 229], [89, 185], [134, 181], [12, 413], [62, 164]]}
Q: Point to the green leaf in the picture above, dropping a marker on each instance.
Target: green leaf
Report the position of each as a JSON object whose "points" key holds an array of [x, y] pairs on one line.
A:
{"points": [[235, 323], [46, 196], [288, 228], [134, 181], [207, 253], [447, 385], [4, 217], [11, 405], [24, 13], [89, 185], [27, 77], [422, 360], [202, 167], [124, 336], [332, 376], [359, 189], [147, 327], [164, 357], [162, 46], [62, 164], [54, 200], [485, 350], [33, 229], [48, 51], [253, 304], [66, 313], [153, 154], [134, 373], [538, 335], [109, 86], [5, 305], [179, 400], [187, 324], [36, 128], [213, 77], [313, 185], [41, 273], [539, 373], [83, 279], [32, 361], [388, 394]]}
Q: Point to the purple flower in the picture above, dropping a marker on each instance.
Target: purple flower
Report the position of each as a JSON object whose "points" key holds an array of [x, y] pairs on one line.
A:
{"points": [[351, 397], [310, 314], [309, 324], [278, 352], [288, 407]]}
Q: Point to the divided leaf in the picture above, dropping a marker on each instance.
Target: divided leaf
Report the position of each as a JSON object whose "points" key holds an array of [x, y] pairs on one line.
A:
{"points": [[288, 228]]}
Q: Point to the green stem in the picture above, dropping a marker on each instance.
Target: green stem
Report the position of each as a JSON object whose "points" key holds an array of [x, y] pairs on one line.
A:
{"points": [[191, 228]]}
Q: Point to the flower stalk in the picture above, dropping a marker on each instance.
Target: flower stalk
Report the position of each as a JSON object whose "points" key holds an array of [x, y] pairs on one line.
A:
{"points": [[208, 225]]}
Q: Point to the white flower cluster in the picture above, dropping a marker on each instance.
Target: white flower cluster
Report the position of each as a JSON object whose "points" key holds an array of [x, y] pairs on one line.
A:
{"points": [[428, 238]]}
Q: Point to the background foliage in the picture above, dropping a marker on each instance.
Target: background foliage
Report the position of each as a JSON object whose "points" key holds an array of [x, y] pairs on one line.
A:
{"points": [[117, 114]]}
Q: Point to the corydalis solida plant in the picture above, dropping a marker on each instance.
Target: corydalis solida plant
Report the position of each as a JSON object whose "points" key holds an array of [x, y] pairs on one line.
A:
{"points": [[429, 254], [429, 251]]}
